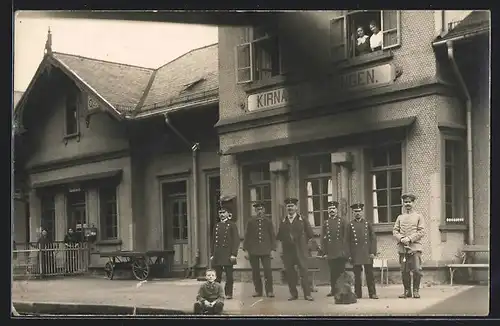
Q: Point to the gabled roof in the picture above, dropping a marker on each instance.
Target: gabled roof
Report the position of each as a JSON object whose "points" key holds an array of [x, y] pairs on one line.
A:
{"points": [[129, 90], [121, 85], [476, 21], [198, 67]]}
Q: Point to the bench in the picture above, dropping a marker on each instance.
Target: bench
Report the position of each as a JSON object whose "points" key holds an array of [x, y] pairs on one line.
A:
{"points": [[466, 252]]}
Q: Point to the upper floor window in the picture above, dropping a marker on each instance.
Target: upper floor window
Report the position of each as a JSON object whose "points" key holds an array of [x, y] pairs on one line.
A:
{"points": [[71, 107], [387, 182], [360, 32], [259, 56], [318, 186]]}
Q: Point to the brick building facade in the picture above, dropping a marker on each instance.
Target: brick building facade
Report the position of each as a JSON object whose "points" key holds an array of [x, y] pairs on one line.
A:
{"points": [[366, 130]]}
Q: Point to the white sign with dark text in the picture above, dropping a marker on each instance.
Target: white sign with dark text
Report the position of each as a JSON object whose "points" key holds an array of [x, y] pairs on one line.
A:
{"points": [[309, 94]]}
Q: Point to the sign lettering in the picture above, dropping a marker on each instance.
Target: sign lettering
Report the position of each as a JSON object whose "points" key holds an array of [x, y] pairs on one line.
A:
{"points": [[308, 94]]}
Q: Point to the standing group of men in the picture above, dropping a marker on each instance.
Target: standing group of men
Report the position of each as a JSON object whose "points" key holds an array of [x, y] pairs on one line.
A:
{"points": [[342, 241]]}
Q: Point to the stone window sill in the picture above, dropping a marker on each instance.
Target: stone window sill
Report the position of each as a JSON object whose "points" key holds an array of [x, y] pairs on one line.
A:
{"points": [[109, 242], [383, 227], [452, 227], [365, 60]]}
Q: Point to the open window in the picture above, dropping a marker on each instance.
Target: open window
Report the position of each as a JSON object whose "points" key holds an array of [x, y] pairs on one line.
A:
{"points": [[352, 35], [259, 56]]}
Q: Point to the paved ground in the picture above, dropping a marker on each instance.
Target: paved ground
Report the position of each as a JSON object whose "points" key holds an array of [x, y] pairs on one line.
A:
{"points": [[180, 294]]}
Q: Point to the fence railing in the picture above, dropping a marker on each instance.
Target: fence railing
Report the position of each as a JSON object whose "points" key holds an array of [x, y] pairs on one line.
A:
{"points": [[50, 259]]}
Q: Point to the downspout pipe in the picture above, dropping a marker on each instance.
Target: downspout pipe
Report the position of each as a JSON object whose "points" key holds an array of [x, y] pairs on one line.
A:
{"points": [[468, 122], [195, 147]]}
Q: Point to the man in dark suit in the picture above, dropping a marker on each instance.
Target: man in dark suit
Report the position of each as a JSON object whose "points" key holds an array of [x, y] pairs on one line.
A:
{"points": [[362, 248], [259, 241], [294, 234], [225, 247], [334, 245]]}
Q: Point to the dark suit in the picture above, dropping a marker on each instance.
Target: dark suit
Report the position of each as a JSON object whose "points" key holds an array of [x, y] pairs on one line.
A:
{"points": [[210, 292], [294, 238], [259, 241], [362, 242], [226, 244], [335, 247]]}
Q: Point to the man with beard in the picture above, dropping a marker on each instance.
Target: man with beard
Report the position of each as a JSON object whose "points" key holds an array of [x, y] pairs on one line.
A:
{"points": [[408, 229], [334, 246], [294, 233], [259, 241], [362, 248], [225, 247]]}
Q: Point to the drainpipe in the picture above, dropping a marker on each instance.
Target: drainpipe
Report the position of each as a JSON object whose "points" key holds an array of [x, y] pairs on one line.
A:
{"points": [[195, 147], [468, 122]]}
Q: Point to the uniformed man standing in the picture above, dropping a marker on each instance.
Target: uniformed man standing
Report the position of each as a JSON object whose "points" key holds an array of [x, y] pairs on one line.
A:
{"points": [[408, 229], [362, 248], [225, 247], [334, 245], [294, 233], [260, 240]]}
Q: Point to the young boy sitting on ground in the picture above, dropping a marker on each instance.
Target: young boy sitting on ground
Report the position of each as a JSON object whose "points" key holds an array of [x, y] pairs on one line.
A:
{"points": [[210, 298], [343, 290]]}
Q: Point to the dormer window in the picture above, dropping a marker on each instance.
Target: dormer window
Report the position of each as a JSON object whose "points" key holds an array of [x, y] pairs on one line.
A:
{"points": [[72, 113]]}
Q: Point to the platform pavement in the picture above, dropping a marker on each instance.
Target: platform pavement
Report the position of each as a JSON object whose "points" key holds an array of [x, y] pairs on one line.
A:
{"points": [[179, 295]]}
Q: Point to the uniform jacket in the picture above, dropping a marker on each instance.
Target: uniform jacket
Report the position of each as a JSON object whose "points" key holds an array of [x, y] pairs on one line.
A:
{"points": [[362, 241], [333, 240], [294, 238], [259, 236], [412, 226], [210, 292], [226, 243]]}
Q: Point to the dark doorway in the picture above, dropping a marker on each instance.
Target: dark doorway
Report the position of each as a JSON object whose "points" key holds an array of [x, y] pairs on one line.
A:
{"points": [[77, 214], [214, 196]]}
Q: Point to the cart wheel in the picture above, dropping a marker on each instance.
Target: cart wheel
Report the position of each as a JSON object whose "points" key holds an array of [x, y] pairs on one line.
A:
{"points": [[140, 269], [109, 270]]}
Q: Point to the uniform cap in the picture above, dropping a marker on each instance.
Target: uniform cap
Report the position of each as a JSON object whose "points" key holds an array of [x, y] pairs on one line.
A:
{"points": [[333, 203], [258, 204], [291, 201], [412, 197], [357, 206]]}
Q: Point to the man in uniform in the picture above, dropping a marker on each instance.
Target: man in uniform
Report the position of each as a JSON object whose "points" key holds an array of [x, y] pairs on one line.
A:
{"points": [[294, 233], [408, 229], [225, 247], [260, 240], [333, 245], [362, 248]]}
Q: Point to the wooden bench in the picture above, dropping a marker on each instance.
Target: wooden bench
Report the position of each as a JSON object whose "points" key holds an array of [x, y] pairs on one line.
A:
{"points": [[466, 253]]}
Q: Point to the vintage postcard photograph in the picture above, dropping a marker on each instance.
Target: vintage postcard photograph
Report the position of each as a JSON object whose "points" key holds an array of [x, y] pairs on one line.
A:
{"points": [[263, 163]]}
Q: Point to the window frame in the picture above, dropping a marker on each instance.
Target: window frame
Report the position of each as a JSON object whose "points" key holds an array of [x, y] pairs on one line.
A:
{"points": [[72, 92], [251, 42], [103, 217], [459, 207], [369, 205], [347, 51], [247, 184], [305, 177]]}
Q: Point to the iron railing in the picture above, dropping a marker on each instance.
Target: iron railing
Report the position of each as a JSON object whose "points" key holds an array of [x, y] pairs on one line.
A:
{"points": [[50, 259]]}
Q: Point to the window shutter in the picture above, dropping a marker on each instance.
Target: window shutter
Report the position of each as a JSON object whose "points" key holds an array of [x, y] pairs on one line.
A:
{"points": [[244, 64], [338, 38], [390, 26], [281, 52]]}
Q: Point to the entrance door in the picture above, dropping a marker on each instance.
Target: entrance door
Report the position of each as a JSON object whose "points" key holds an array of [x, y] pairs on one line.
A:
{"points": [[175, 221], [214, 196], [77, 214]]}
